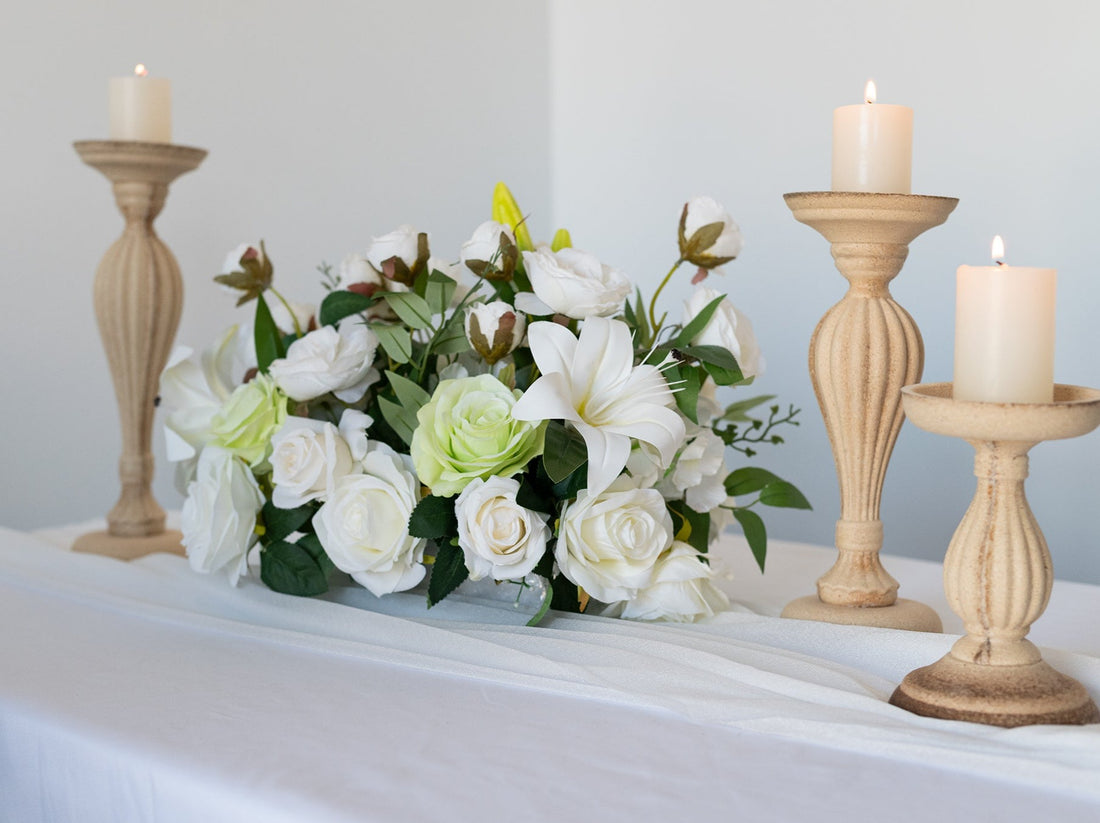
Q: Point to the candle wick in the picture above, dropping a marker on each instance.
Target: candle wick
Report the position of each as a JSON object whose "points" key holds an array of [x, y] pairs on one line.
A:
{"points": [[1000, 262]]}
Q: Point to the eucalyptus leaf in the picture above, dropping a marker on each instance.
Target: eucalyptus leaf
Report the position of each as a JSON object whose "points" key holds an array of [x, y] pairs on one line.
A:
{"points": [[737, 412], [411, 395], [288, 568], [413, 309], [448, 571], [755, 533], [438, 292], [396, 341], [399, 419]]}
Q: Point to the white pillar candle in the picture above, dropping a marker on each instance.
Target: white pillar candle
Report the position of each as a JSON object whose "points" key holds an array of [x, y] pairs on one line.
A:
{"points": [[872, 146], [141, 107], [1004, 332]]}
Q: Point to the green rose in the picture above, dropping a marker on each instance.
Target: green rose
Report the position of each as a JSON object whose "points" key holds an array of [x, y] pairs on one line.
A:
{"points": [[467, 431], [249, 417]]}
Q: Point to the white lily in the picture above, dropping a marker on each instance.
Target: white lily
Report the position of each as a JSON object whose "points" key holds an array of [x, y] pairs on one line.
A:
{"points": [[592, 382]]}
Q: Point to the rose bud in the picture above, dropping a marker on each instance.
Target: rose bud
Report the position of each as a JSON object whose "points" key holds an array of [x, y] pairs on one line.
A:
{"points": [[494, 329], [708, 235]]}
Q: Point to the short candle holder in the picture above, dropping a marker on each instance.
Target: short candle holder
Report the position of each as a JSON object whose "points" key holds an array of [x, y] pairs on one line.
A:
{"points": [[863, 351], [997, 573], [138, 298]]}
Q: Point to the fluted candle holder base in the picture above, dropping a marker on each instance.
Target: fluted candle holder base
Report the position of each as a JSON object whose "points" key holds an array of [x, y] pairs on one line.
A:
{"points": [[863, 351], [998, 573], [138, 298]]}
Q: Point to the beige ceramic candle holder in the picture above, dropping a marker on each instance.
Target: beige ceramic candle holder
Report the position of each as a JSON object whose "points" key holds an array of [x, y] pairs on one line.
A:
{"points": [[997, 573], [863, 351], [138, 298]]}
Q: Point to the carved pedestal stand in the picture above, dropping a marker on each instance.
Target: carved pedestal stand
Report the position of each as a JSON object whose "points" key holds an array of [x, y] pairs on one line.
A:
{"points": [[138, 298], [863, 351], [997, 573]]}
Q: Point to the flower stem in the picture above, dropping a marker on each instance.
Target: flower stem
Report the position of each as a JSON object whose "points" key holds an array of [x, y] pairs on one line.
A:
{"points": [[656, 294], [290, 311]]}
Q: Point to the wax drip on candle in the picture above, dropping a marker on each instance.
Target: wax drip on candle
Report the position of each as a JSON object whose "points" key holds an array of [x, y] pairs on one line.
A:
{"points": [[998, 250], [870, 93], [140, 70]]}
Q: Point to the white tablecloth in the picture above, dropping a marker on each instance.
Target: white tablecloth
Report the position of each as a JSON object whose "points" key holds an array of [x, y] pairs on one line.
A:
{"points": [[145, 692]]}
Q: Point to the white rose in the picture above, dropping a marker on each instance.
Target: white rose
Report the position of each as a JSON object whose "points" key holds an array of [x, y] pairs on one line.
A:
{"points": [[609, 543], [307, 458], [681, 590], [494, 329], [329, 360], [703, 211], [285, 321], [484, 245], [400, 243], [245, 251], [218, 520], [355, 269], [699, 473], [498, 537], [573, 283], [363, 526], [192, 392], [727, 328]]}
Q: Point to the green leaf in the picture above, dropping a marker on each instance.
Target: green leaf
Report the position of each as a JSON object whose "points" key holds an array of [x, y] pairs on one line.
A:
{"points": [[687, 393], [716, 355], [564, 451], [545, 607], [396, 341], [755, 533], [738, 412], [698, 323], [782, 494], [413, 309], [410, 394], [703, 238], [433, 518], [279, 523], [269, 343], [692, 527], [451, 338], [290, 569], [438, 291], [565, 596], [448, 571], [645, 334], [399, 419], [340, 304], [312, 544], [749, 479], [534, 498]]}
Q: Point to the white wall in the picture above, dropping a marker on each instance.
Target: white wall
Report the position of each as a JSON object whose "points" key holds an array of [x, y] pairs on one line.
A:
{"points": [[655, 102], [326, 123], [333, 121]]}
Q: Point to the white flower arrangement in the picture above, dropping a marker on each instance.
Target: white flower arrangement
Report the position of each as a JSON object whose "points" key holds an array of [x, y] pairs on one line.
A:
{"points": [[539, 422]]}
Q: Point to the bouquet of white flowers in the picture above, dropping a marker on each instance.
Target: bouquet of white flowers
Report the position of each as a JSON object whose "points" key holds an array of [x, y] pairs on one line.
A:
{"points": [[543, 422]]}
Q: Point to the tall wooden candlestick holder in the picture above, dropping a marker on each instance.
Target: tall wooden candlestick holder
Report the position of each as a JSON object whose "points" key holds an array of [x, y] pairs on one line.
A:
{"points": [[997, 573], [138, 298], [863, 351]]}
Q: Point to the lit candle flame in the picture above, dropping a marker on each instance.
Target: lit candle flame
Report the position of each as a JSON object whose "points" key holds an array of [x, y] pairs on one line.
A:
{"points": [[999, 250], [140, 70], [870, 93]]}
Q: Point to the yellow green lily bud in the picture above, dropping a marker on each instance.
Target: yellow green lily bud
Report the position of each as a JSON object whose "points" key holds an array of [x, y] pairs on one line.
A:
{"points": [[506, 211]]}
